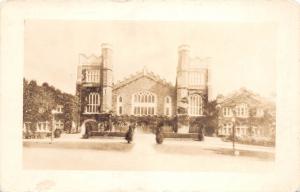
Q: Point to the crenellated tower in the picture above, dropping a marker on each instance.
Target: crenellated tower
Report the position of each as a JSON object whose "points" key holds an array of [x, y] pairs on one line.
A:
{"points": [[94, 88], [107, 77], [182, 73], [192, 84]]}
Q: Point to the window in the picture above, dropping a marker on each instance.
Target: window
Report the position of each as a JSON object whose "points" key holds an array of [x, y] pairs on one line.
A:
{"points": [[59, 108], [194, 78], [144, 103], [42, 126], [119, 105], [93, 105], [92, 76], [59, 124], [195, 105], [242, 110], [259, 112], [227, 112], [241, 130], [168, 106], [26, 126], [226, 129]]}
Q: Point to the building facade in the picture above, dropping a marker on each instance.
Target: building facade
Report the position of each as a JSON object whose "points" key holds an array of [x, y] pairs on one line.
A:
{"points": [[250, 114], [141, 94]]}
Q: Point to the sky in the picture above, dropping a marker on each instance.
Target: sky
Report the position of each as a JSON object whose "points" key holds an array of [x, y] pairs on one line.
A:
{"points": [[241, 54]]}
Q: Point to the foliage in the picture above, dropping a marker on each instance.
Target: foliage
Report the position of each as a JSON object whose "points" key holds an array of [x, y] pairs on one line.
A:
{"points": [[159, 133], [250, 140], [129, 135], [39, 101], [159, 138], [57, 133], [145, 121]]}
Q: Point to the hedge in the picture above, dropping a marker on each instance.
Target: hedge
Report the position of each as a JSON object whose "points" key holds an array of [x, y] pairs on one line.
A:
{"points": [[109, 134], [181, 135], [251, 141]]}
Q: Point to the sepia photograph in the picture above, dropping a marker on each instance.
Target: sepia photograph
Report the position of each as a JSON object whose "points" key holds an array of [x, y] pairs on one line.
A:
{"points": [[171, 96], [150, 96]]}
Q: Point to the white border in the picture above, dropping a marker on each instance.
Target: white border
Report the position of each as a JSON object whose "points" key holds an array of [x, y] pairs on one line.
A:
{"points": [[284, 13]]}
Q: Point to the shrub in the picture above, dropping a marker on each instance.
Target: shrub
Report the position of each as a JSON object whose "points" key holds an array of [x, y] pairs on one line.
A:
{"points": [[247, 140], [57, 133], [129, 134], [159, 138], [109, 134], [181, 135]]}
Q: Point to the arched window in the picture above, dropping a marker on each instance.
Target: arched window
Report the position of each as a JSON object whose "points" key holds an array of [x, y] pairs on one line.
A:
{"points": [[120, 105], [144, 103], [168, 106], [195, 105], [93, 105]]}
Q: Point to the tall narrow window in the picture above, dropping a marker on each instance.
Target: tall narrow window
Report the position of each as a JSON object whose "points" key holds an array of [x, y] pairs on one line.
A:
{"points": [[143, 103], [120, 105], [93, 105], [195, 105], [168, 106]]}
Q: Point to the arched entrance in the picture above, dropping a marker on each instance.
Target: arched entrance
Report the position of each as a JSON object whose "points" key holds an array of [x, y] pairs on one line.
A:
{"points": [[88, 124]]}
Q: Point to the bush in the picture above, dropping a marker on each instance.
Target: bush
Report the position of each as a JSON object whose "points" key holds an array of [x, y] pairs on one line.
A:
{"points": [[109, 134], [200, 136], [159, 138], [129, 135], [247, 140], [57, 133], [181, 135]]}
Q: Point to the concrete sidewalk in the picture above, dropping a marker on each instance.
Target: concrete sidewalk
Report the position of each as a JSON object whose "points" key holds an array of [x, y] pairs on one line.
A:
{"points": [[144, 142], [142, 154]]}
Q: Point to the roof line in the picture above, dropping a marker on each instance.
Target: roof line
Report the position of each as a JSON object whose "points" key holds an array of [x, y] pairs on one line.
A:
{"points": [[140, 74]]}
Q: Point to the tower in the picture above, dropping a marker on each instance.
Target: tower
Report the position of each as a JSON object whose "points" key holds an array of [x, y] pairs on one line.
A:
{"points": [[192, 89], [182, 73], [106, 77]]}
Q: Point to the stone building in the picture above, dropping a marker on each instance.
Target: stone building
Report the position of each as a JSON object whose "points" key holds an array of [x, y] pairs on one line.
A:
{"points": [[141, 94], [144, 94], [251, 114]]}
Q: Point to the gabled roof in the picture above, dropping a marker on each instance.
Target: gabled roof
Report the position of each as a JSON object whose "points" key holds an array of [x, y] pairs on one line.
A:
{"points": [[140, 74], [245, 96]]}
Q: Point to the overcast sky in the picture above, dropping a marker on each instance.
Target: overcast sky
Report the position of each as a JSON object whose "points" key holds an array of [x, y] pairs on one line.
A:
{"points": [[242, 54]]}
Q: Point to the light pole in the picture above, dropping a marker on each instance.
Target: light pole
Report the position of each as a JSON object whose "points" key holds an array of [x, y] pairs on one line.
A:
{"points": [[233, 119], [233, 134], [53, 112]]}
